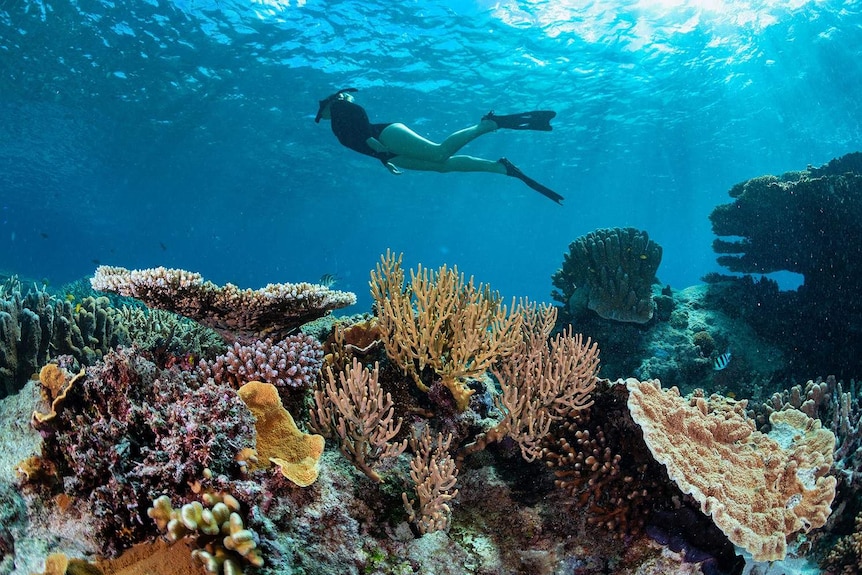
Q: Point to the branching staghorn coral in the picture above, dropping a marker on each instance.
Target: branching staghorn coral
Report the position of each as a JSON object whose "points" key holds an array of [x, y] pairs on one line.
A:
{"points": [[292, 363], [354, 409], [441, 322], [434, 473], [541, 381]]}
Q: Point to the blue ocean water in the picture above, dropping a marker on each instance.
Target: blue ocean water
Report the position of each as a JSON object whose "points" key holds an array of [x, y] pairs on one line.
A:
{"points": [[181, 133]]}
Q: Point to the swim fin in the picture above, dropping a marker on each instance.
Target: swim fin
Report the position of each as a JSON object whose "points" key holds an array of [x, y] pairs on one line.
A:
{"points": [[539, 120], [513, 171]]}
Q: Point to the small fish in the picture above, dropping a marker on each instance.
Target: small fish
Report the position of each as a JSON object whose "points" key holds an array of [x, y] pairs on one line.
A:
{"points": [[70, 297], [96, 261], [731, 395], [163, 246], [44, 235], [78, 307], [328, 280], [722, 361]]}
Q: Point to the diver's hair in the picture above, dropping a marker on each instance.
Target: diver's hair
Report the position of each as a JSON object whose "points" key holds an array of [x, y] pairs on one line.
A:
{"points": [[329, 99]]}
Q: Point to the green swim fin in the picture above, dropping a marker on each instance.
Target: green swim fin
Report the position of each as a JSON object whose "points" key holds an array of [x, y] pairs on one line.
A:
{"points": [[513, 171], [539, 120]]}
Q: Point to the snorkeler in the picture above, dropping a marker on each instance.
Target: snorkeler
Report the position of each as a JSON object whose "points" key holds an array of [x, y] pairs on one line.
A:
{"points": [[397, 146]]}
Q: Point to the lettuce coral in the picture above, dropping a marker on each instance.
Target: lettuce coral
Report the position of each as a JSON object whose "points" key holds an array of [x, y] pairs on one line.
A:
{"points": [[758, 488]]}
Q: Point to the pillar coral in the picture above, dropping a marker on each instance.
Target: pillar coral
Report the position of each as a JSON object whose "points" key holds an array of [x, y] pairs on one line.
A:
{"points": [[279, 440], [758, 488]]}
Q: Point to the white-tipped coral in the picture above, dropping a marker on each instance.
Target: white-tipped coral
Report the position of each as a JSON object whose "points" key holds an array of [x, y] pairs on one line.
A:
{"points": [[207, 522], [272, 311]]}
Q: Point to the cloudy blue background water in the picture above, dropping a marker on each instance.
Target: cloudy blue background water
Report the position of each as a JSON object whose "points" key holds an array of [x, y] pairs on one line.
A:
{"points": [[181, 133]]}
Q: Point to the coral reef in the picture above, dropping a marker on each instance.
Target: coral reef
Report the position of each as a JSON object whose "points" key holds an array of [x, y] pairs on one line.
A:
{"points": [[273, 311], [541, 382], [757, 488], [599, 457], [354, 409], [128, 431], [155, 329], [609, 271], [807, 223]]}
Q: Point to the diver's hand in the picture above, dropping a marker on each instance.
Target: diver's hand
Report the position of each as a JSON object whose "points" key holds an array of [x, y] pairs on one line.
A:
{"points": [[391, 167], [375, 145]]}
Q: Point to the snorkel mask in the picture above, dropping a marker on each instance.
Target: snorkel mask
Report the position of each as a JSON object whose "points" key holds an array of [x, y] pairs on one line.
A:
{"points": [[330, 99]]}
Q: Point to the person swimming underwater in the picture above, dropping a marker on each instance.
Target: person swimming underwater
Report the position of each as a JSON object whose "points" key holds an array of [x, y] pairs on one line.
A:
{"points": [[397, 146]]}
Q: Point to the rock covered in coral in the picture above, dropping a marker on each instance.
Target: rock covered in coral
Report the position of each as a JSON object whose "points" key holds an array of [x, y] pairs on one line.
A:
{"points": [[128, 431], [759, 489], [272, 311], [35, 325], [609, 271], [807, 223]]}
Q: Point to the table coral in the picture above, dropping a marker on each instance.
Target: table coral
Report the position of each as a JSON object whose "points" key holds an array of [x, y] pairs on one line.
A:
{"points": [[272, 311], [758, 488], [807, 223], [610, 271]]}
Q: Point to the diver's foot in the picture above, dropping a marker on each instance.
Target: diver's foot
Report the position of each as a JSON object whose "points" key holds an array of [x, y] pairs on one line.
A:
{"points": [[537, 120], [513, 171], [488, 122]]}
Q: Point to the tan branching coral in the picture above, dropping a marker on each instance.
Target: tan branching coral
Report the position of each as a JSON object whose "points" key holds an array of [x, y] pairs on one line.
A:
{"points": [[845, 556], [273, 311], [758, 488], [354, 408], [442, 322], [541, 382], [434, 473]]}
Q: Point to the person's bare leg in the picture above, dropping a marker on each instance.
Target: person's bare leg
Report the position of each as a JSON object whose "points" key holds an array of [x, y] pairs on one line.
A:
{"points": [[401, 140], [453, 164]]}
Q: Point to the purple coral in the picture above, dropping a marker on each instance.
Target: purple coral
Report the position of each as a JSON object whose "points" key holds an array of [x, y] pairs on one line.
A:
{"points": [[291, 363], [130, 431]]}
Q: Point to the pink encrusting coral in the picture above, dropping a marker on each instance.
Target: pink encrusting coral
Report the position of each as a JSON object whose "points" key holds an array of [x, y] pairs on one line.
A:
{"points": [[291, 363]]}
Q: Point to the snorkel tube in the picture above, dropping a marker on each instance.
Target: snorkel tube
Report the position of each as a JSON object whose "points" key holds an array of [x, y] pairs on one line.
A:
{"points": [[328, 100]]}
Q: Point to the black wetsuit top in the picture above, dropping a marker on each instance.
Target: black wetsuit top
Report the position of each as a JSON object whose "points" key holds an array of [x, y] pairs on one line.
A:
{"points": [[351, 126]]}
